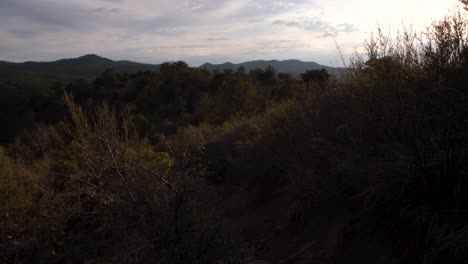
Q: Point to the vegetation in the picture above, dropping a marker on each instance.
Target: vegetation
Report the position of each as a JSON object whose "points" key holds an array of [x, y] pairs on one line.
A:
{"points": [[84, 67], [293, 67], [184, 165]]}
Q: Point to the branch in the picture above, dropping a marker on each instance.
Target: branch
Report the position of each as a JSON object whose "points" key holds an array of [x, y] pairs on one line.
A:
{"points": [[157, 175]]}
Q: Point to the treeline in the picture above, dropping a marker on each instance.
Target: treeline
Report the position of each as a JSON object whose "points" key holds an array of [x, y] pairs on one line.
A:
{"points": [[173, 97], [139, 168]]}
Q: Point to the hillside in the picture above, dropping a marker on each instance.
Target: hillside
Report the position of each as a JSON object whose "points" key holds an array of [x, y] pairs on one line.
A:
{"points": [[294, 67], [187, 166], [90, 66], [84, 67]]}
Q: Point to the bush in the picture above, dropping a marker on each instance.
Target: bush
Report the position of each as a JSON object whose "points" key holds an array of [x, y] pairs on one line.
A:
{"points": [[113, 198]]}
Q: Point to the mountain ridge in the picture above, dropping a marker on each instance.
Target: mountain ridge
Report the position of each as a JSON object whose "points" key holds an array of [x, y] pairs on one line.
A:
{"points": [[291, 66], [90, 66]]}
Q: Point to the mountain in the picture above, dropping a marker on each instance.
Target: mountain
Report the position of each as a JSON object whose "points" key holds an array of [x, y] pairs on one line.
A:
{"points": [[90, 66], [294, 67], [86, 67]]}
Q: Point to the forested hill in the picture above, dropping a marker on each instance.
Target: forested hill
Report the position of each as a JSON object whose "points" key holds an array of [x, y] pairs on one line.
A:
{"points": [[294, 67], [84, 67], [91, 66]]}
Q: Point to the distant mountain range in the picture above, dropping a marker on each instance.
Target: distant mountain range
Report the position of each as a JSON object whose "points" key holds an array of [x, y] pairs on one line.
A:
{"points": [[294, 67], [90, 66], [87, 67]]}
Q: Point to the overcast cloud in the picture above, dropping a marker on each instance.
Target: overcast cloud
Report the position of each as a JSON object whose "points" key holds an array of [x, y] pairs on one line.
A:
{"points": [[198, 31]]}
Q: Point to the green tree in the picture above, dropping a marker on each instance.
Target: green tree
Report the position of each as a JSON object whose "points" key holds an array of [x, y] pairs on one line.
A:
{"points": [[315, 75], [231, 95]]}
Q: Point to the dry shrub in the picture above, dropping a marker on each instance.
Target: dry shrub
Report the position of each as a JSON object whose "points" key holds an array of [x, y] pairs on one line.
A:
{"points": [[106, 196], [404, 103]]}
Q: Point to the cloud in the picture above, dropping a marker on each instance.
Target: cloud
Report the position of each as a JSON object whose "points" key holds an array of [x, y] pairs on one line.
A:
{"points": [[329, 35], [316, 25], [218, 39], [346, 27], [22, 33], [283, 4], [279, 22], [151, 31], [106, 10]]}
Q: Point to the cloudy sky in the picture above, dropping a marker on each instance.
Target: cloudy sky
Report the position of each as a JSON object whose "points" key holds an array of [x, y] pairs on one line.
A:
{"points": [[198, 31]]}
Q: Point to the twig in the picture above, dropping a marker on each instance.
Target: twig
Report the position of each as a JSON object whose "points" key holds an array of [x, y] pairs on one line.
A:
{"points": [[157, 175], [299, 253]]}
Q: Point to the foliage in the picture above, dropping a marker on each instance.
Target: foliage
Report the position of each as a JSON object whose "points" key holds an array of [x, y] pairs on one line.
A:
{"points": [[142, 167], [404, 101], [97, 170], [315, 75]]}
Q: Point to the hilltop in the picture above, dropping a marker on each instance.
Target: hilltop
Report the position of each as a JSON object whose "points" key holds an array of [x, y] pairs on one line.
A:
{"points": [[90, 66], [85, 67]]}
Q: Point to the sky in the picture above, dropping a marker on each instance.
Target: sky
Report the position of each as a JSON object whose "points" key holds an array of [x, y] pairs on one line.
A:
{"points": [[198, 31]]}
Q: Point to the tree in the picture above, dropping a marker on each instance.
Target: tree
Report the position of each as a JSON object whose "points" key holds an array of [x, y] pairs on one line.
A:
{"points": [[315, 75], [465, 2]]}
